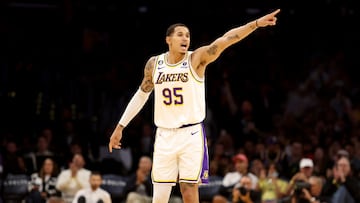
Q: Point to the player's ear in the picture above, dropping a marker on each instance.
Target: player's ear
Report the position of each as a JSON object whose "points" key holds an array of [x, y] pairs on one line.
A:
{"points": [[167, 39]]}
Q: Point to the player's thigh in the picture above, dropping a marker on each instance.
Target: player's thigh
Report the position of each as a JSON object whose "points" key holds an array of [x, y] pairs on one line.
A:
{"points": [[165, 167], [192, 155]]}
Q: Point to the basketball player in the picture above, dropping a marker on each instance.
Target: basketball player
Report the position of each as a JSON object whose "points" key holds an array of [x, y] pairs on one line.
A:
{"points": [[178, 76]]}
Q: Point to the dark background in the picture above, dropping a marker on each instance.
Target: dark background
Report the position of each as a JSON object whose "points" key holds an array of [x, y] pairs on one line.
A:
{"points": [[82, 60]]}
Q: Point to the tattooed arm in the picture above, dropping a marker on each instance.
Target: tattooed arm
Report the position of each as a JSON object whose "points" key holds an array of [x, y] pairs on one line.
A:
{"points": [[209, 53], [135, 105], [147, 84]]}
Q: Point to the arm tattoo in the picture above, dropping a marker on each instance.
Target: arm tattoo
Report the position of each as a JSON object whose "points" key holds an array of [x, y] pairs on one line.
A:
{"points": [[212, 50], [147, 84], [233, 37]]}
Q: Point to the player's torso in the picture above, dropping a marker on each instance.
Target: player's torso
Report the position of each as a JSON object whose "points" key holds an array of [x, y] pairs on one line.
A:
{"points": [[179, 93]]}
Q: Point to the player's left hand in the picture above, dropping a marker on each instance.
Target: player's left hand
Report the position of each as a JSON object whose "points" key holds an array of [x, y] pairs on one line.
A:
{"points": [[115, 138], [269, 19]]}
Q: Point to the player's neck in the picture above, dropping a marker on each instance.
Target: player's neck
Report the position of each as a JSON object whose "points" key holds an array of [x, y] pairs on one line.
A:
{"points": [[174, 58]]}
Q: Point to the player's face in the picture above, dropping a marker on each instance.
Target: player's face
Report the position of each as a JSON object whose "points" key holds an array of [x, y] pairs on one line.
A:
{"points": [[180, 39]]}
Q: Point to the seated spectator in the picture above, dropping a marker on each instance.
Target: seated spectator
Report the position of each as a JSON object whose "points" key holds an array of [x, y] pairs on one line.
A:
{"points": [[139, 186], [342, 186], [271, 186], [330, 184], [94, 194], [232, 178], [307, 192], [42, 184], [13, 160], [315, 192], [78, 148], [289, 164], [306, 170], [256, 166], [243, 192], [73, 179], [37, 156]]}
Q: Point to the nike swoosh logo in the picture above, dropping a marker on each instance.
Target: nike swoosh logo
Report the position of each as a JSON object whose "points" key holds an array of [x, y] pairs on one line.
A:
{"points": [[193, 133]]}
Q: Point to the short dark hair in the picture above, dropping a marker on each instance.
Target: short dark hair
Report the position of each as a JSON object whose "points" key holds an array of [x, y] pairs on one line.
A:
{"points": [[172, 27], [96, 173]]}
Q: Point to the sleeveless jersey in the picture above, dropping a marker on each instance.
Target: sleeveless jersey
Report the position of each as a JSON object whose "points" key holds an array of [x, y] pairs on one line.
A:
{"points": [[179, 93]]}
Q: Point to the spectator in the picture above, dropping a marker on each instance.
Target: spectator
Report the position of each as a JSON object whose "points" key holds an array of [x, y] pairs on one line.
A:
{"points": [[315, 192], [306, 170], [94, 194], [73, 179], [271, 186], [38, 155], [256, 166], [219, 160], [48, 133], [342, 186], [290, 163], [243, 192], [43, 184], [320, 162], [232, 178], [139, 186], [307, 192], [13, 161]]}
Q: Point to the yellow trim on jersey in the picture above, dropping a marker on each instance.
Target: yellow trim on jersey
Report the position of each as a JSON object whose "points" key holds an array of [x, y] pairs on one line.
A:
{"points": [[195, 78], [164, 181], [155, 66], [193, 72], [176, 64]]}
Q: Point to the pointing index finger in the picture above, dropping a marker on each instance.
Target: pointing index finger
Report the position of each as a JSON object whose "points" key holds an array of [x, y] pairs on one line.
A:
{"points": [[276, 12]]}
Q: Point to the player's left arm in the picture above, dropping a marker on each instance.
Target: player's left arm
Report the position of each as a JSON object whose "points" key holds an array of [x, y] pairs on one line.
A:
{"points": [[204, 55]]}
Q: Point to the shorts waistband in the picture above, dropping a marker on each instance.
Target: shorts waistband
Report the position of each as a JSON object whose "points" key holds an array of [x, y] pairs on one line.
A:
{"points": [[188, 125]]}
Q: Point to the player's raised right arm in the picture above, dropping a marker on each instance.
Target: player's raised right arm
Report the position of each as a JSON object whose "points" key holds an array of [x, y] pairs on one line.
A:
{"points": [[209, 53]]}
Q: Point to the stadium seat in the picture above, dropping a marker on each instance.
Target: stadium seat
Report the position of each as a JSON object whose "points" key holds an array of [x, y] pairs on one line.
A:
{"points": [[15, 187], [115, 185]]}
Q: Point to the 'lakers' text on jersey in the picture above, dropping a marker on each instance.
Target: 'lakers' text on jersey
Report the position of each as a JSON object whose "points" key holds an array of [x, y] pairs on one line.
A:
{"points": [[173, 77], [179, 93]]}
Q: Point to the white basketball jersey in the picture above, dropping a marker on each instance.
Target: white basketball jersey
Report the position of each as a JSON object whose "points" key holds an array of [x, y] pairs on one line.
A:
{"points": [[179, 93]]}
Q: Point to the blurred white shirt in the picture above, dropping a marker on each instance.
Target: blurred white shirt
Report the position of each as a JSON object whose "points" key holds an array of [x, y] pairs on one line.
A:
{"points": [[93, 196]]}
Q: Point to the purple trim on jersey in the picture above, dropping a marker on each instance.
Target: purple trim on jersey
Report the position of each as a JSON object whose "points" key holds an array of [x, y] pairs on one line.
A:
{"points": [[204, 176]]}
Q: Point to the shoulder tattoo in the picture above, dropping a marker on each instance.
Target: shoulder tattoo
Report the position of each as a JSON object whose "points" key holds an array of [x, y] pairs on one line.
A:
{"points": [[147, 84]]}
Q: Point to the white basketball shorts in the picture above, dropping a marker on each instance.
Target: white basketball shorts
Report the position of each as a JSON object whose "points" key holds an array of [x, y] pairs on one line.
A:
{"points": [[180, 155]]}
